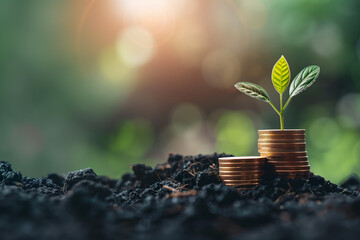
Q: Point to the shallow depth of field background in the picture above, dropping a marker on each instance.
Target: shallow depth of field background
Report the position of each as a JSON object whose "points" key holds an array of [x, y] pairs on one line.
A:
{"points": [[108, 83]]}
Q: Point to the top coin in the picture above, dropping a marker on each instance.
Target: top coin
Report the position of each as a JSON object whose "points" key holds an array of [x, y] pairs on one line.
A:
{"points": [[242, 159], [278, 131]]}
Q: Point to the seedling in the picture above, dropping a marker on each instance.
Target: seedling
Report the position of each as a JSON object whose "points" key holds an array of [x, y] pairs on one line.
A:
{"points": [[281, 78]]}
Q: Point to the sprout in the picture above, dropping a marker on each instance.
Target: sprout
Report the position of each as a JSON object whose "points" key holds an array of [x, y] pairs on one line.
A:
{"points": [[281, 78]]}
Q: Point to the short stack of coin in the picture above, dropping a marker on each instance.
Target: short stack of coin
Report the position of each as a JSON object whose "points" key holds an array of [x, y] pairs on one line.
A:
{"points": [[285, 151], [242, 172]]}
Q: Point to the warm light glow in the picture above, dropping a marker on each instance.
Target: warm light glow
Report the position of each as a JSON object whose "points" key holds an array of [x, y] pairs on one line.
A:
{"points": [[136, 8], [135, 46], [156, 16], [113, 69]]}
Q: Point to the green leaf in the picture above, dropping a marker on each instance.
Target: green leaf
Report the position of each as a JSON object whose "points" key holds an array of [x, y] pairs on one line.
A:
{"points": [[304, 79], [253, 90], [281, 75]]}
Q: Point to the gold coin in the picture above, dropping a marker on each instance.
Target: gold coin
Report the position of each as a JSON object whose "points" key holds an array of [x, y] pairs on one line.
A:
{"points": [[243, 176], [241, 181], [254, 163], [240, 186], [278, 131], [236, 177], [241, 159], [282, 145], [256, 175], [268, 149], [281, 140], [269, 138], [280, 154], [242, 172], [236, 171], [263, 159], [288, 163], [242, 165], [286, 158], [258, 167], [246, 176], [281, 136], [291, 162]]}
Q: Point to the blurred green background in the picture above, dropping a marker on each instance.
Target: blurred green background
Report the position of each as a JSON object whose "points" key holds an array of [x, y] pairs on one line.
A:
{"points": [[108, 83]]}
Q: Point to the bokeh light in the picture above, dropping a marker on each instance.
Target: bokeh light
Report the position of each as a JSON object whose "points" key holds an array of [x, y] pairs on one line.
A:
{"points": [[156, 17], [135, 46], [349, 109], [235, 134], [132, 139], [327, 40]]}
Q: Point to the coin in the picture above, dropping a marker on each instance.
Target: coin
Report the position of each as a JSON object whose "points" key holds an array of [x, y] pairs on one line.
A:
{"points": [[236, 177], [245, 176], [286, 158], [278, 131], [238, 166], [247, 168], [242, 159], [261, 140], [241, 173], [240, 181], [252, 163], [269, 137], [279, 154], [287, 163], [235, 171], [282, 145], [275, 150]]}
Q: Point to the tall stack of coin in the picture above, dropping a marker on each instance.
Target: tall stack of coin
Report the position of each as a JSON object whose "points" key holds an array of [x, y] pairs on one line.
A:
{"points": [[242, 172], [285, 151]]}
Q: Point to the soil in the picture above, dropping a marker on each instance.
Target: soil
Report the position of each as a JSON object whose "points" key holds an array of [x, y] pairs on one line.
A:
{"points": [[182, 198]]}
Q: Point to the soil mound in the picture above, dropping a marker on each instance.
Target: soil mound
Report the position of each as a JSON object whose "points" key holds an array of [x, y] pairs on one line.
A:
{"points": [[182, 198]]}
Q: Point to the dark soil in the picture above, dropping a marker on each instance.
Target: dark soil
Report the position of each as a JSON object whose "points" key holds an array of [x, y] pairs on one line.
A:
{"points": [[180, 199]]}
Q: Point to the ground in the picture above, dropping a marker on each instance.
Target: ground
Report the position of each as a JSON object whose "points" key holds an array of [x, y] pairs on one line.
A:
{"points": [[182, 198]]}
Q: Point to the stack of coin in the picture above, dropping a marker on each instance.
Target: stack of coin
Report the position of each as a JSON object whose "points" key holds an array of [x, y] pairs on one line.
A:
{"points": [[242, 172], [285, 151]]}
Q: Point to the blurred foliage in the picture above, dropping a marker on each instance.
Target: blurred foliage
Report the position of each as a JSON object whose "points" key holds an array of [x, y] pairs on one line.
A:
{"points": [[105, 84]]}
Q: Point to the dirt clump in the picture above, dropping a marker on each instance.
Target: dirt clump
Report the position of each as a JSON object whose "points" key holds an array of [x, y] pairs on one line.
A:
{"points": [[182, 198]]}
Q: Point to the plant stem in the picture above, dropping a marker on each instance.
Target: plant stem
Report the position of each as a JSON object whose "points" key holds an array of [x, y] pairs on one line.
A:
{"points": [[271, 104], [287, 102], [281, 113]]}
